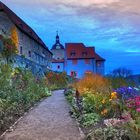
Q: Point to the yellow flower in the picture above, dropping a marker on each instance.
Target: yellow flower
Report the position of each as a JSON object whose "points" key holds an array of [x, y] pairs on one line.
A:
{"points": [[103, 101], [104, 112], [13, 73], [17, 51], [114, 95]]}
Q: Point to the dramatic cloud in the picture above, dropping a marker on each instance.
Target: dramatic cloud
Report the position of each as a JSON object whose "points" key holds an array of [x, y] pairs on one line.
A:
{"points": [[113, 26]]}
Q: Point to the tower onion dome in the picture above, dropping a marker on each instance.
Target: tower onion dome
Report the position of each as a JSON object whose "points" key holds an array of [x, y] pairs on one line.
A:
{"points": [[57, 44]]}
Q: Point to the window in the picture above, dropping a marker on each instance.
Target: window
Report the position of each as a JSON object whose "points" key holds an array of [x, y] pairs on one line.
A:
{"points": [[58, 67], [29, 53], [98, 64], [84, 54], [73, 73], [21, 50], [87, 61], [72, 53], [74, 62]]}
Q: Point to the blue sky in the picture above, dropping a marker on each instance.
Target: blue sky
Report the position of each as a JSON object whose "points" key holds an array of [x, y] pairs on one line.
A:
{"points": [[112, 26]]}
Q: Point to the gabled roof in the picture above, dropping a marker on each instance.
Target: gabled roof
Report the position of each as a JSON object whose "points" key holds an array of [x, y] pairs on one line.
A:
{"points": [[80, 51], [21, 25], [98, 57]]}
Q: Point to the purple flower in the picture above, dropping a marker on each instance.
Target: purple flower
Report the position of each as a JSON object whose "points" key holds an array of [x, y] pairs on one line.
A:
{"points": [[127, 92]]}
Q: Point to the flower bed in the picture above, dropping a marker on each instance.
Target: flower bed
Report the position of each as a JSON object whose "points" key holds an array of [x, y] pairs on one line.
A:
{"points": [[19, 90], [56, 80], [105, 113]]}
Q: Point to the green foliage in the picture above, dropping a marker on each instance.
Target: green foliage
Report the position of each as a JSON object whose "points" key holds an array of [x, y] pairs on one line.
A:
{"points": [[69, 99], [69, 92], [56, 80], [9, 49], [86, 119], [133, 132], [108, 133], [89, 119], [120, 77], [118, 82], [19, 90]]}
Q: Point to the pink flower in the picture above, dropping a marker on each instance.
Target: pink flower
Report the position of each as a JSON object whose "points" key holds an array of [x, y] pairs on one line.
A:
{"points": [[138, 109], [129, 106], [126, 117], [137, 103]]}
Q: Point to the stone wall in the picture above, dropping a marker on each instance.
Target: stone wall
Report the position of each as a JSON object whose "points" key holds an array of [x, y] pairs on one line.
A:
{"points": [[37, 70], [29, 50]]}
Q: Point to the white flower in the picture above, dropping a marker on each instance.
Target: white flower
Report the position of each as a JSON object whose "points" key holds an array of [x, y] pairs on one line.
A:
{"points": [[111, 122]]}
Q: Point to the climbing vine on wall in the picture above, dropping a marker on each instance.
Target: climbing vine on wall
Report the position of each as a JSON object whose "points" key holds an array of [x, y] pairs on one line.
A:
{"points": [[9, 49], [14, 36]]}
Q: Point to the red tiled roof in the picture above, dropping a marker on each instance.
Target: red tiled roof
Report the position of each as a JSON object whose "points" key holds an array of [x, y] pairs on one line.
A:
{"points": [[20, 24], [79, 49], [98, 57], [58, 61]]}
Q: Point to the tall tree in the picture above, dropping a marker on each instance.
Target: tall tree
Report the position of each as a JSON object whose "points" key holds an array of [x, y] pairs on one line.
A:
{"points": [[121, 73]]}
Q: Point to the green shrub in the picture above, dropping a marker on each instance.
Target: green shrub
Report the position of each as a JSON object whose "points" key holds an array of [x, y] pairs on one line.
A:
{"points": [[19, 90], [56, 80], [89, 119]]}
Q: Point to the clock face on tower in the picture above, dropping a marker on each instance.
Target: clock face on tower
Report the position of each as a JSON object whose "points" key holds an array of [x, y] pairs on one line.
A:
{"points": [[57, 46]]}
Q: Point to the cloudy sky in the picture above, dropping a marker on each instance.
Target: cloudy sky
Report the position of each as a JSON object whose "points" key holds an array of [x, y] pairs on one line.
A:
{"points": [[113, 26]]}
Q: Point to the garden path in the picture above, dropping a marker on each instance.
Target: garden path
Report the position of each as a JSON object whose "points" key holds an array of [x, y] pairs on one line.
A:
{"points": [[50, 120]]}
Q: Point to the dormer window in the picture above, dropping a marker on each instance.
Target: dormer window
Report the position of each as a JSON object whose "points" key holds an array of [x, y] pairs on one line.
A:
{"points": [[84, 54], [72, 53]]}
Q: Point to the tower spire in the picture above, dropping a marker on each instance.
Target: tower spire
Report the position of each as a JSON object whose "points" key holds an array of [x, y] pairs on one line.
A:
{"points": [[57, 32], [57, 37]]}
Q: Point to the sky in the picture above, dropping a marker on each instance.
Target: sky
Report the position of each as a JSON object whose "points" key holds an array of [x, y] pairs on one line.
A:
{"points": [[112, 26]]}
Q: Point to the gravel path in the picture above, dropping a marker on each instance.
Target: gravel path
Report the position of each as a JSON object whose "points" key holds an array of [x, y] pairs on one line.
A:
{"points": [[50, 120]]}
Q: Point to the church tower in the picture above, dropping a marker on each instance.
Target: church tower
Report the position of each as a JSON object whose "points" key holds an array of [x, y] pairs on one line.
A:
{"points": [[58, 55], [58, 49]]}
